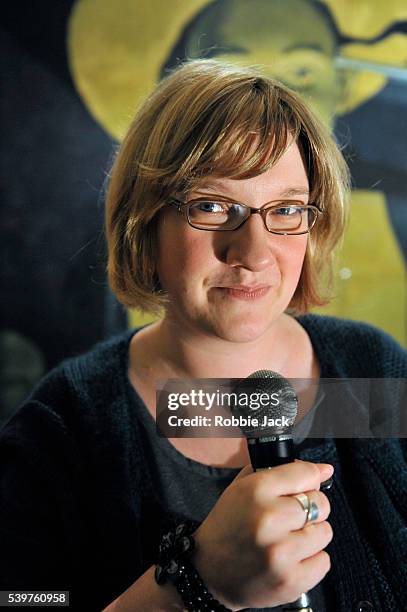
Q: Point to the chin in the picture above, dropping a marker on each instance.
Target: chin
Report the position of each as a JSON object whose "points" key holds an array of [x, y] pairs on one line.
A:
{"points": [[242, 330]]}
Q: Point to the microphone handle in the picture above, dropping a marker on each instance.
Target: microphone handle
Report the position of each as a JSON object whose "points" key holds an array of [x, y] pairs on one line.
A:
{"points": [[270, 451], [266, 453]]}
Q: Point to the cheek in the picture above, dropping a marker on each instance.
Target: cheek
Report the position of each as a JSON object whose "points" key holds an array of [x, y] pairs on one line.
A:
{"points": [[294, 254], [184, 255], [302, 247]]}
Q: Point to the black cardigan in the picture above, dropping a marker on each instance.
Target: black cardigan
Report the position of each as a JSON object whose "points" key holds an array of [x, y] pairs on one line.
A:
{"points": [[77, 506]]}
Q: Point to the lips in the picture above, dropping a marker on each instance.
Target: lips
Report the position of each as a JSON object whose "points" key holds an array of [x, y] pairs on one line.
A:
{"points": [[245, 292], [246, 288]]}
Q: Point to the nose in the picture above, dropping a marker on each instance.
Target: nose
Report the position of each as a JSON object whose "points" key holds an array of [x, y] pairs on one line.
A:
{"points": [[250, 246]]}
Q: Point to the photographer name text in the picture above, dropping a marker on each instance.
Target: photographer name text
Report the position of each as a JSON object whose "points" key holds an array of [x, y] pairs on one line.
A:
{"points": [[228, 421]]}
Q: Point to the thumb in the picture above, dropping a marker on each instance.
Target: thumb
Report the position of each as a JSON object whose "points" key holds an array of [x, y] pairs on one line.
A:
{"points": [[244, 472]]}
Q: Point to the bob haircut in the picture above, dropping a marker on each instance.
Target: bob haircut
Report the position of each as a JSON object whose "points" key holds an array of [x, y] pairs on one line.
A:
{"points": [[209, 118]]}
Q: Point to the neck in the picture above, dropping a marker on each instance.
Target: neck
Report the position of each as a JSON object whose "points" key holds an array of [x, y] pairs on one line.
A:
{"points": [[184, 353]]}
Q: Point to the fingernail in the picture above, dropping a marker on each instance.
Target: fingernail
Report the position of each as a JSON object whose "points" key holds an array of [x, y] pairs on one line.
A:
{"points": [[326, 470]]}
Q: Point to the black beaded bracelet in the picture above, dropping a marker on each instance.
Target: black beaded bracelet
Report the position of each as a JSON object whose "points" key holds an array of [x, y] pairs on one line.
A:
{"points": [[174, 565]]}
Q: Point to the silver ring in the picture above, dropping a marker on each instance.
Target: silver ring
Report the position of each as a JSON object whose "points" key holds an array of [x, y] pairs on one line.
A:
{"points": [[310, 508], [304, 501], [313, 513]]}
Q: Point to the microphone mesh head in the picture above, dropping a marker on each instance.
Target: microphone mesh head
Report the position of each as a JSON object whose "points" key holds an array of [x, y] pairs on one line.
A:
{"points": [[269, 398]]}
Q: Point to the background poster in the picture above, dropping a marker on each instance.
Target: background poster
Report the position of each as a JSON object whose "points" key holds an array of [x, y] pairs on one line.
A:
{"points": [[74, 72]]}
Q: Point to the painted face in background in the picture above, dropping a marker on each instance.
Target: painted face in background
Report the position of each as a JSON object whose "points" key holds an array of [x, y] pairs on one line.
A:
{"points": [[204, 271], [291, 39]]}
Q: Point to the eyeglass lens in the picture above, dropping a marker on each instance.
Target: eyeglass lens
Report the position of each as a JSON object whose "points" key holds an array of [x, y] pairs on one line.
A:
{"points": [[289, 217]]}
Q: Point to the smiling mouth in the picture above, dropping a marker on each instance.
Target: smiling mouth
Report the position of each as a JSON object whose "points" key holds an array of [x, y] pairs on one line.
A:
{"points": [[245, 293]]}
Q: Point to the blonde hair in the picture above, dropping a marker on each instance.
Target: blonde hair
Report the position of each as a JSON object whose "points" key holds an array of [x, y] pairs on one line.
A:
{"points": [[202, 120]]}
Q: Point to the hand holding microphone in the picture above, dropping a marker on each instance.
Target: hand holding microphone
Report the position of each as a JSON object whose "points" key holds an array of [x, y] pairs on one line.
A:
{"points": [[256, 548], [253, 550]]}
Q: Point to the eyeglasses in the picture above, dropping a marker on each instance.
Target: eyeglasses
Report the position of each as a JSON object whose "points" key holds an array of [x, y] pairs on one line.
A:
{"points": [[217, 213]]}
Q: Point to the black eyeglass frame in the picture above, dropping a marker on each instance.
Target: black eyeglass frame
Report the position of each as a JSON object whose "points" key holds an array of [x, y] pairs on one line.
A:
{"points": [[183, 207]]}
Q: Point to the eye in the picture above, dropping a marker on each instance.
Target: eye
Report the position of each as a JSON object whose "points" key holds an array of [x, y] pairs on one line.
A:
{"points": [[304, 69], [287, 211], [211, 207]]}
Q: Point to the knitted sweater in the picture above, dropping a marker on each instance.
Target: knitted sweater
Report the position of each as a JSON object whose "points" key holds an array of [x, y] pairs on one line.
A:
{"points": [[78, 509]]}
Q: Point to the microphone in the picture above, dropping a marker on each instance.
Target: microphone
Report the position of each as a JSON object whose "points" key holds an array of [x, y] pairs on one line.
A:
{"points": [[270, 442]]}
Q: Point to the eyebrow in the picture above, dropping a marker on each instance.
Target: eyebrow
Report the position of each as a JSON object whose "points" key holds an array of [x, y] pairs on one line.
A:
{"points": [[303, 45], [286, 193], [294, 191]]}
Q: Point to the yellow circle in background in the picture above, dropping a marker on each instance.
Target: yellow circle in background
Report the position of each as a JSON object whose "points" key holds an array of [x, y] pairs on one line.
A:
{"points": [[116, 49]]}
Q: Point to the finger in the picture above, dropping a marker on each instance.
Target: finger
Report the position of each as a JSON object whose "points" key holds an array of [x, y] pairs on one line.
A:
{"points": [[285, 514], [319, 499], [305, 576], [287, 479], [284, 556], [312, 570], [307, 542]]}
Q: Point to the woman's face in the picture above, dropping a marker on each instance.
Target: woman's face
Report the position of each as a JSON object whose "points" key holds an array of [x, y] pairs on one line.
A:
{"points": [[204, 272]]}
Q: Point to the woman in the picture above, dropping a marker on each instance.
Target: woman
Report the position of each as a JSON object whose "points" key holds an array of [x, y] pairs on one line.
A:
{"points": [[225, 203]]}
